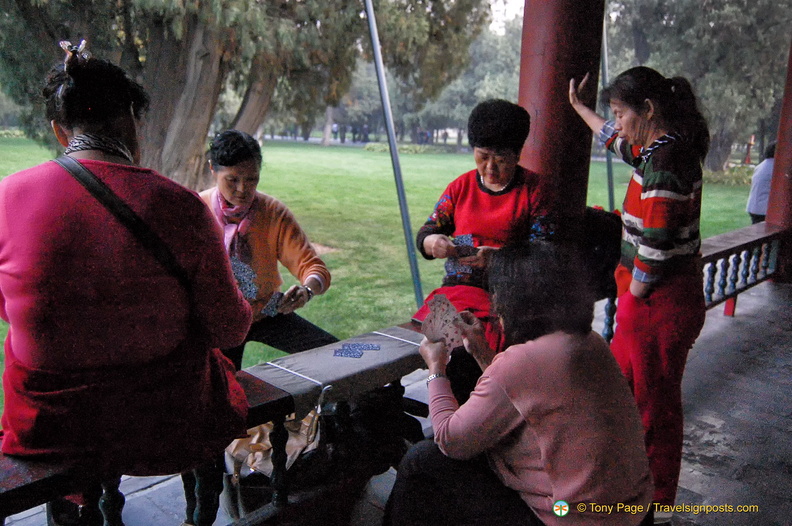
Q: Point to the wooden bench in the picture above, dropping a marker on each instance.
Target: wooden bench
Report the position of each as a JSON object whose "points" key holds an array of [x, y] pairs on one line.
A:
{"points": [[275, 391]]}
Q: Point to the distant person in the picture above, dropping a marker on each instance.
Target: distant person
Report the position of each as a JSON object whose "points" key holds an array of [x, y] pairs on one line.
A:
{"points": [[551, 418], [472, 219], [259, 233], [111, 358], [660, 131], [760, 186]]}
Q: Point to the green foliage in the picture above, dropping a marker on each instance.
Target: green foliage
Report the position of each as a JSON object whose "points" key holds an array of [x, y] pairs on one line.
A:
{"points": [[734, 52], [412, 148], [732, 176]]}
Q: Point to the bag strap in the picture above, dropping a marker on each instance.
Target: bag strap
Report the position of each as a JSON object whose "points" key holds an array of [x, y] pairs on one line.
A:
{"points": [[127, 217]]}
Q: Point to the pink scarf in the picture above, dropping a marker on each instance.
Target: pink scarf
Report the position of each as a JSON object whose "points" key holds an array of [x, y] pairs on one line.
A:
{"points": [[235, 220]]}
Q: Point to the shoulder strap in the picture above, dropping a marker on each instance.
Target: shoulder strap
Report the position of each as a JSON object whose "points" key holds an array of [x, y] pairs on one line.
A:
{"points": [[127, 217]]}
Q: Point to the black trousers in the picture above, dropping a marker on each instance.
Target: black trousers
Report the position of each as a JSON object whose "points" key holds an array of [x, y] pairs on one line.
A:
{"points": [[433, 489], [286, 332]]}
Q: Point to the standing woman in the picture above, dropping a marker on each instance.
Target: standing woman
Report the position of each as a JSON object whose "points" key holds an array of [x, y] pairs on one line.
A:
{"points": [[111, 359], [661, 132]]}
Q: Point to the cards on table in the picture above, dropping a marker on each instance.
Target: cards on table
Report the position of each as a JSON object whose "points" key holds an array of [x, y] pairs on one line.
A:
{"points": [[355, 349], [439, 323]]}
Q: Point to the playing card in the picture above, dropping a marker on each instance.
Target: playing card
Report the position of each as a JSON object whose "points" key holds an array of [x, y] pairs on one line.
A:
{"points": [[464, 246], [347, 353], [271, 309], [355, 346], [463, 251], [439, 323]]}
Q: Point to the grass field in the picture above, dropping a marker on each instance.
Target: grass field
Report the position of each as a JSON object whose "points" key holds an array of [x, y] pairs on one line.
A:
{"points": [[345, 199]]}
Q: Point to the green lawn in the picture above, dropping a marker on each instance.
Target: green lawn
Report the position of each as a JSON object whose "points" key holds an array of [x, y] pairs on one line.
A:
{"points": [[345, 198]]}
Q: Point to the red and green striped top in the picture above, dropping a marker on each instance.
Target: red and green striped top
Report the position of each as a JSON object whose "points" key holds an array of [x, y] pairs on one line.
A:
{"points": [[662, 208]]}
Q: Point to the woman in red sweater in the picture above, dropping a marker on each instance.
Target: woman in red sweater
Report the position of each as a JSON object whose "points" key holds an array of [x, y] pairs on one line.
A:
{"points": [[103, 362], [472, 219]]}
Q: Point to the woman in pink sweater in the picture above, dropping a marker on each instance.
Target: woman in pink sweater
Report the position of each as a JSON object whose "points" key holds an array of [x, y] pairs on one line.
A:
{"points": [[551, 433]]}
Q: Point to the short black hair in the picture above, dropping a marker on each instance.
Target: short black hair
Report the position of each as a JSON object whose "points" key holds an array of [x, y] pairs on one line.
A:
{"points": [[231, 147], [90, 93], [498, 124], [540, 287], [769, 152]]}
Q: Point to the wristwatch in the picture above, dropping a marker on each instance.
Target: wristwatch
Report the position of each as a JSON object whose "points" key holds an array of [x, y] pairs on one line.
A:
{"points": [[434, 377], [310, 292]]}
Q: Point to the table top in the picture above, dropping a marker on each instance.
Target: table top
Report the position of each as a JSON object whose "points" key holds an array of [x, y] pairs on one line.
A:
{"points": [[377, 358]]}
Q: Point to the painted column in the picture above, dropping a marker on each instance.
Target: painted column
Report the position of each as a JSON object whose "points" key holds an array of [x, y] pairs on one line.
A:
{"points": [[561, 39], [779, 208]]}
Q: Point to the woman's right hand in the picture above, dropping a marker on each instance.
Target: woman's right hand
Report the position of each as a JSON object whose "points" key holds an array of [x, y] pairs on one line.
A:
{"points": [[435, 355], [439, 246]]}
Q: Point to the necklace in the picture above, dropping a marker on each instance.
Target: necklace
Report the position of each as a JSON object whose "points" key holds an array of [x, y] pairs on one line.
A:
{"points": [[109, 145], [502, 187]]}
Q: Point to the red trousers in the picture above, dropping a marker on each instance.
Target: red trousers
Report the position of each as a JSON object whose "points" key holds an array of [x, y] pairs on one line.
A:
{"points": [[651, 343]]}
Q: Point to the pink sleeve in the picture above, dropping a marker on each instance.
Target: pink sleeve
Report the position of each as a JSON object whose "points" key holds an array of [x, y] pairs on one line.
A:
{"points": [[481, 422]]}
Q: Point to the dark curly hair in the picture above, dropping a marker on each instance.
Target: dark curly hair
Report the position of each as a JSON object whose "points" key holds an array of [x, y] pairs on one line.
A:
{"points": [[540, 287], [89, 93], [498, 124], [673, 98], [231, 147]]}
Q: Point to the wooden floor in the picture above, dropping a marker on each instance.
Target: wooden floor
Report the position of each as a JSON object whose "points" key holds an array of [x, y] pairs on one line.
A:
{"points": [[738, 428]]}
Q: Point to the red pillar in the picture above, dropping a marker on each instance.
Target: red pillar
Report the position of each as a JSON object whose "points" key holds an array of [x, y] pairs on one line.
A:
{"points": [[779, 209], [561, 39]]}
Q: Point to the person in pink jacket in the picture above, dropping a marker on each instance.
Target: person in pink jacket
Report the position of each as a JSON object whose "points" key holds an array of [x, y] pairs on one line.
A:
{"points": [[110, 358], [550, 434]]}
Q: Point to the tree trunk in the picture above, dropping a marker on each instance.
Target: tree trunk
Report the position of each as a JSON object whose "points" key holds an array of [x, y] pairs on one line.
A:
{"points": [[258, 96], [164, 78], [328, 126], [184, 80], [720, 149]]}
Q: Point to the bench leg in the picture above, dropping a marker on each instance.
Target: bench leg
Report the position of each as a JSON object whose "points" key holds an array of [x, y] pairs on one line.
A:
{"points": [[112, 503], [280, 486]]}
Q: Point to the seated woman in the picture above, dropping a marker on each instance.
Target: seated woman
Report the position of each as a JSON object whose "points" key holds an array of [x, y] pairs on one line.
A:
{"points": [[110, 358], [551, 418], [473, 217], [259, 232]]}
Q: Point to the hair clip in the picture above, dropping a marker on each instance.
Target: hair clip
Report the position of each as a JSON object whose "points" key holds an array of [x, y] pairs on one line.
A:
{"points": [[72, 51]]}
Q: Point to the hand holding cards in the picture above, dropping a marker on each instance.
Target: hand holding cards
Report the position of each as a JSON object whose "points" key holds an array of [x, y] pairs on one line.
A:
{"points": [[440, 323]]}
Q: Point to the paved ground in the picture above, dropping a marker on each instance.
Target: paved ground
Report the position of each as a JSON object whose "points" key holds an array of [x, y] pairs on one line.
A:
{"points": [[738, 431]]}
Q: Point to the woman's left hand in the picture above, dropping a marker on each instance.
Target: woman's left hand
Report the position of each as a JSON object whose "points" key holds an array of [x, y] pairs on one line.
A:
{"points": [[435, 355], [640, 289], [480, 259], [296, 297]]}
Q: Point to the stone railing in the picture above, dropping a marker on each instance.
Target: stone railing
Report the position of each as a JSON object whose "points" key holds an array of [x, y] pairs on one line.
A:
{"points": [[738, 260]]}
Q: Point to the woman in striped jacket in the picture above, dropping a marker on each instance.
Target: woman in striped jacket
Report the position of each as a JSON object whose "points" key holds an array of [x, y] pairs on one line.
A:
{"points": [[660, 131]]}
